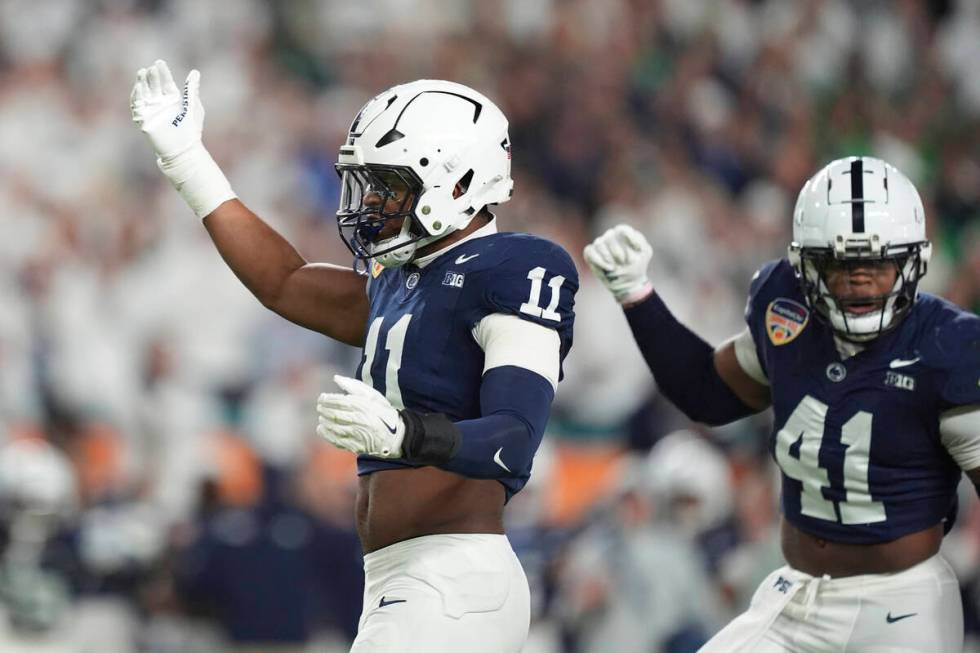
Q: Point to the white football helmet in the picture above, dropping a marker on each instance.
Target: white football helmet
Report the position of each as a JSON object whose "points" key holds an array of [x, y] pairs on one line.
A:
{"points": [[36, 477], [859, 208], [415, 144], [690, 477]]}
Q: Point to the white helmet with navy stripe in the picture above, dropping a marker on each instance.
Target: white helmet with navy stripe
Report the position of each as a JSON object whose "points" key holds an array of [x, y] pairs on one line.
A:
{"points": [[440, 147], [859, 208]]}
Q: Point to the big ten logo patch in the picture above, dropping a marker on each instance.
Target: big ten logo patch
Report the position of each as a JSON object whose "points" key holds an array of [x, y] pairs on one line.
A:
{"points": [[896, 380], [454, 279]]}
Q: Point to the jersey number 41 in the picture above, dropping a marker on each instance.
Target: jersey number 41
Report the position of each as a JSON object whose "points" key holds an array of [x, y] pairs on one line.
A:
{"points": [[806, 427]]}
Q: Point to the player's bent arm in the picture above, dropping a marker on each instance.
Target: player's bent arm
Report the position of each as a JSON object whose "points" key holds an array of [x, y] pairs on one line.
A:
{"points": [[708, 386], [737, 363], [514, 403], [520, 375], [959, 429], [326, 298]]}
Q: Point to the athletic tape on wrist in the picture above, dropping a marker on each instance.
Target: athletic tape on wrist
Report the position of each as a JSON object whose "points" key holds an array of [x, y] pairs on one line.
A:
{"points": [[198, 179]]}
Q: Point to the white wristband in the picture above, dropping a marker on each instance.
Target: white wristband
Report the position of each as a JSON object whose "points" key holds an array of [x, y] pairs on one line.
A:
{"points": [[198, 179], [636, 295]]}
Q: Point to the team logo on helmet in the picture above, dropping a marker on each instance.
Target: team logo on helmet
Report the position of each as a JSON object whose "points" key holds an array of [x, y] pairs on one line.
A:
{"points": [[785, 319]]}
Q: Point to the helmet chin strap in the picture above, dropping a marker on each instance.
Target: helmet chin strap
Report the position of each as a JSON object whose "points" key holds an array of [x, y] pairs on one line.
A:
{"points": [[396, 250], [859, 328], [402, 246], [399, 256]]}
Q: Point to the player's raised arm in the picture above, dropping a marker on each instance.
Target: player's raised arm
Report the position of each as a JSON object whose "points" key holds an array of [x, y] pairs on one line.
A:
{"points": [[325, 298], [709, 385]]}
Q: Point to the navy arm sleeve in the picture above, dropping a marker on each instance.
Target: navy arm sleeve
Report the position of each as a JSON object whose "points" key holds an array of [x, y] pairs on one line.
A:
{"points": [[534, 280], [683, 365], [514, 404], [499, 444]]}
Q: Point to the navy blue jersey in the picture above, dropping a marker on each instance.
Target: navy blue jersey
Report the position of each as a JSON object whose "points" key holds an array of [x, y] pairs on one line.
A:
{"points": [[420, 351], [857, 440]]}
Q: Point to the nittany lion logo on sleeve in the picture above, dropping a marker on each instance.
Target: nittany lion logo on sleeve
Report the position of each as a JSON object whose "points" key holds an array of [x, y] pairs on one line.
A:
{"points": [[785, 319]]}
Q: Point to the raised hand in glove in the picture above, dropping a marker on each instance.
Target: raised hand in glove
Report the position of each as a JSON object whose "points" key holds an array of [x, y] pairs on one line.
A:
{"points": [[173, 121], [620, 258]]}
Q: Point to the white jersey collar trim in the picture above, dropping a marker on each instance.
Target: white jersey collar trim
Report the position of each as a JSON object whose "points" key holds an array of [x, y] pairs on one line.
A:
{"points": [[488, 229]]}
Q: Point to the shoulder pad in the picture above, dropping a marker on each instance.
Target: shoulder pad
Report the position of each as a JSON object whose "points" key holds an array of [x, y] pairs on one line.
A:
{"points": [[952, 345], [772, 279], [522, 275], [525, 276], [534, 279], [515, 249]]}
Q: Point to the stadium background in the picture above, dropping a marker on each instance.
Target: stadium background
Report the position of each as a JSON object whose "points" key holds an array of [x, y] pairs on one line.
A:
{"points": [[160, 485]]}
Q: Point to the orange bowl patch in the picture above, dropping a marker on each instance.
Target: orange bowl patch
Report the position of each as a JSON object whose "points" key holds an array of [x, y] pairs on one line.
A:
{"points": [[785, 319]]}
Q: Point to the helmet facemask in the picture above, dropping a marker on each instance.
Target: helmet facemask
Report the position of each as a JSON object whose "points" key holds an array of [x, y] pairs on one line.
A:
{"points": [[371, 196], [859, 212], [814, 265]]}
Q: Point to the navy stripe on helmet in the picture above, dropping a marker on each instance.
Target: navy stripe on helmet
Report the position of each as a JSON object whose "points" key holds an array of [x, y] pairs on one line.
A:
{"points": [[857, 195]]}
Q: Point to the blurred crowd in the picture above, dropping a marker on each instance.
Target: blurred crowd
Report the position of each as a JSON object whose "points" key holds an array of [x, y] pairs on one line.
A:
{"points": [[161, 488]]}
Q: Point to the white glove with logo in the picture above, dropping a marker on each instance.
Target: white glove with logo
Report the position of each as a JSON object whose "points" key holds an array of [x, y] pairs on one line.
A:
{"points": [[173, 122], [620, 258], [360, 419]]}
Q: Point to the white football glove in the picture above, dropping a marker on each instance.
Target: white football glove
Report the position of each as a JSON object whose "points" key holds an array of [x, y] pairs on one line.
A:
{"points": [[360, 419], [173, 122], [620, 258]]}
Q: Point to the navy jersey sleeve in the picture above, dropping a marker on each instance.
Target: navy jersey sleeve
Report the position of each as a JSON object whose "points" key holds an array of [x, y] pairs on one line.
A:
{"points": [[954, 348], [531, 278], [755, 306], [757, 302]]}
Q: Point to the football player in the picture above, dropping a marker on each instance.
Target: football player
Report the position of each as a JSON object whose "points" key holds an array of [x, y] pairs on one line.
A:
{"points": [[463, 330], [876, 403]]}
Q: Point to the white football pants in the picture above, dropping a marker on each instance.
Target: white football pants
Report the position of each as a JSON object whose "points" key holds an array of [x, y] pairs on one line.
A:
{"points": [[442, 594], [913, 611]]}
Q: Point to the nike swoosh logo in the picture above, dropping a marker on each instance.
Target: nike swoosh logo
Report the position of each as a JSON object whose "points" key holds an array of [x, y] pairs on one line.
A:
{"points": [[496, 459], [463, 258], [391, 602], [390, 427], [898, 362], [890, 619]]}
